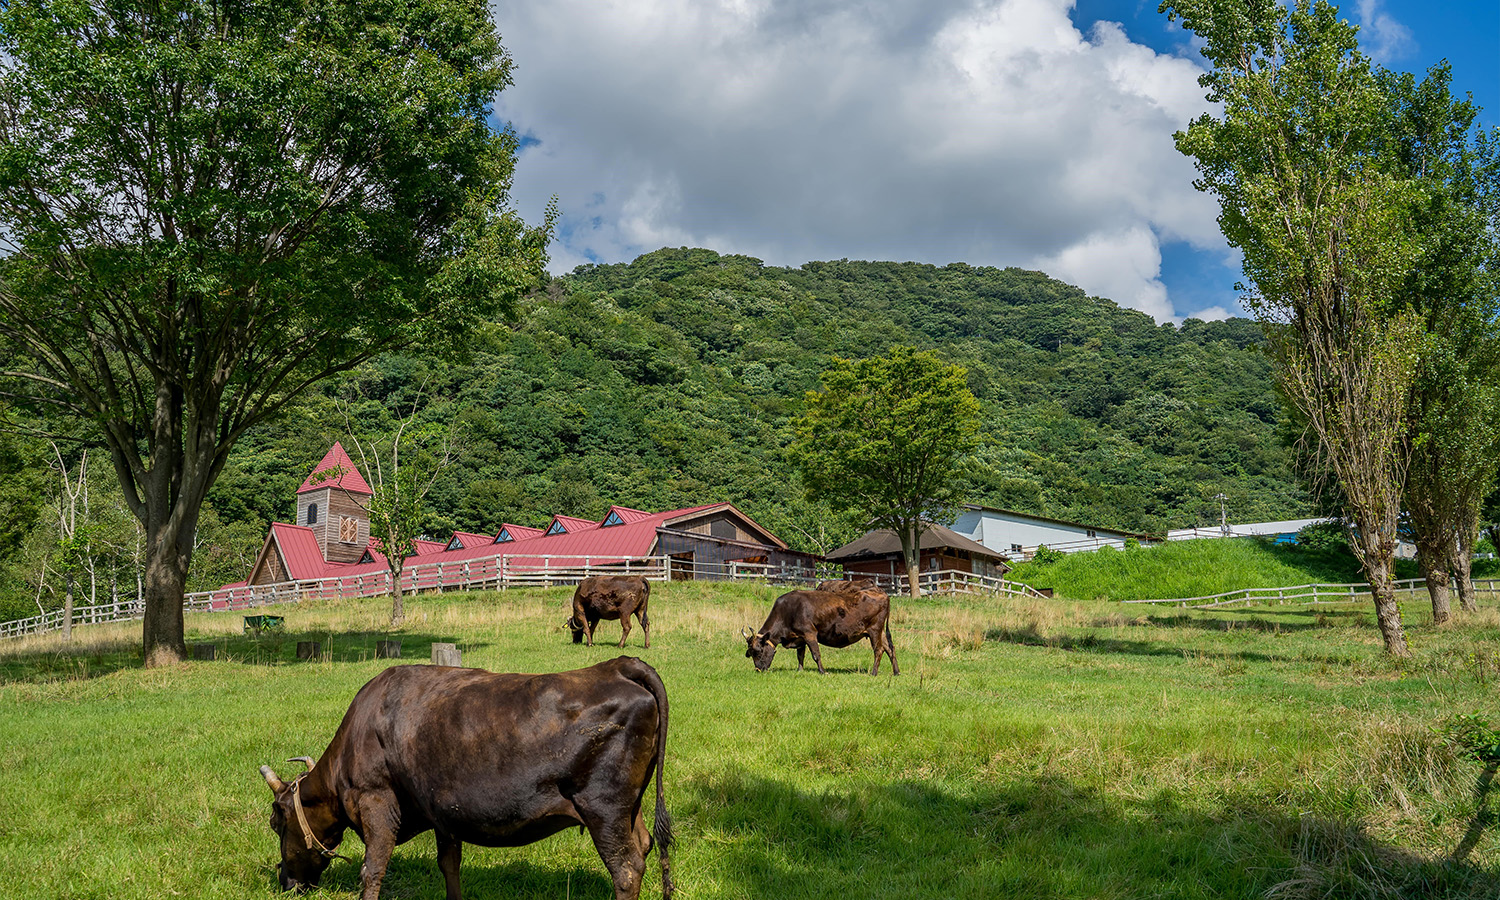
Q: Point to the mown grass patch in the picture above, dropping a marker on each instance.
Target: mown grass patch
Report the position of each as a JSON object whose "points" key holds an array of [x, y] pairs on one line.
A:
{"points": [[1057, 748]]}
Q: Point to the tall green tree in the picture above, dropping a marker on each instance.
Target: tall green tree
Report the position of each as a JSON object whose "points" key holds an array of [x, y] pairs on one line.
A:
{"points": [[1454, 419], [210, 206], [1299, 164], [883, 438]]}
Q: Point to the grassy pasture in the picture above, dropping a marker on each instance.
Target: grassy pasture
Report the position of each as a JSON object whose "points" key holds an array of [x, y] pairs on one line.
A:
{"points": [[1046, 749], [1200, 568]]}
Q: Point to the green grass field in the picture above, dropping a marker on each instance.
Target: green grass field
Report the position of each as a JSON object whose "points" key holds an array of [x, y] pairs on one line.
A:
{"points": [[1201, 568], [1046, 749]]}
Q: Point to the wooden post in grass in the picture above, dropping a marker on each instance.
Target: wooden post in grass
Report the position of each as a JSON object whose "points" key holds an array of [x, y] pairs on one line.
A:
{"points": [[387, 649], [205, 651], [446, 655]]}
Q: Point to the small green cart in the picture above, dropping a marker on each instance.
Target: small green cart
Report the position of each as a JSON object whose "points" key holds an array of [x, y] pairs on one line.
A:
{"points": [[257, 624]]}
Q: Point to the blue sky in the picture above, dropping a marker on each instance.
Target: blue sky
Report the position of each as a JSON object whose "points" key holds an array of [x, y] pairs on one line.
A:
{"points": [[1398, 34], [1032, 133]]}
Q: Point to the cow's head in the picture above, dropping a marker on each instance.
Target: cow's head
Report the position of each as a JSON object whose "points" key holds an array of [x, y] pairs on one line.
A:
{"points": [[302, 859], [576, 627], [760, 649]]}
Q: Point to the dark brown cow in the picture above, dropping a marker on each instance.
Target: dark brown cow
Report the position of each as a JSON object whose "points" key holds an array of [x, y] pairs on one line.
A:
{"points": [[494, 760], [810, 619], [610, 597]]}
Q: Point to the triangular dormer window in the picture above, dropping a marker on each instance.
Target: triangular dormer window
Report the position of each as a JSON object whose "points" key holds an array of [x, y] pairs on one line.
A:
{"points": [[557, 528], [612, 519], [455, 544], [367, 558], [503, 537]]}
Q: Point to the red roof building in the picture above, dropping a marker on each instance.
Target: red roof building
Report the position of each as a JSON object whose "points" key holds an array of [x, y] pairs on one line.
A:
{"points": [[714, 540]]}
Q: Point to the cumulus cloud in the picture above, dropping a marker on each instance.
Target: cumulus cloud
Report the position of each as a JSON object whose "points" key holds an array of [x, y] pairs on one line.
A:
{"points": [[1380, 35], [986, 131]]}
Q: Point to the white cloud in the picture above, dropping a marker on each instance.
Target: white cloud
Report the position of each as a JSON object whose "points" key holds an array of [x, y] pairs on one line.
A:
{"points": [[986, 131], [1381, 36]]}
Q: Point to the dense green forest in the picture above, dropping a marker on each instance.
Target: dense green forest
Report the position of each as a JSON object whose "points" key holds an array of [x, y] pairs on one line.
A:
{"points": [[671, 380]]}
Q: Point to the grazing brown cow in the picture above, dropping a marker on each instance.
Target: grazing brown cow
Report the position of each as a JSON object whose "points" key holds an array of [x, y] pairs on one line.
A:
{"points": [[610, 597], [808, 619], [494, 760], [849, 584]]}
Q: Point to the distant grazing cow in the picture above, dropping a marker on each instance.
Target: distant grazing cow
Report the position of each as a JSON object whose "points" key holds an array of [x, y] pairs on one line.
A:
{"points": [[810, 619], [610, 597], [494, 760], [848, 584]]}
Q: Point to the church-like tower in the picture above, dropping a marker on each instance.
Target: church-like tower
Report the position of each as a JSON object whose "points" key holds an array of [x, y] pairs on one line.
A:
{"points": [[334, 502]]}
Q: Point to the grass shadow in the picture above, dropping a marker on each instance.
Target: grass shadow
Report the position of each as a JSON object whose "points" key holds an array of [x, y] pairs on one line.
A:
{"points": [[1030, 636], [416, 875], [1042, 838]]}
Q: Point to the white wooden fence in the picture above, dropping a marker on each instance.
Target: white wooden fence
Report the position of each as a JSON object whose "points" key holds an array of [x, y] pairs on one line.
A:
{"points": [[1307, 594], [505, 572]]}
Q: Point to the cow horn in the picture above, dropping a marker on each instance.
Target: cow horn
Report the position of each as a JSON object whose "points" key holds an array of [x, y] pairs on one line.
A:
{"points": [[305, 760], [270, 776], [745, 632]]}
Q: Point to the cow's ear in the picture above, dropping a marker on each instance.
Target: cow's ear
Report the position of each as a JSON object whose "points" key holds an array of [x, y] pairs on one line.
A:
{"points": [[276, 784]]}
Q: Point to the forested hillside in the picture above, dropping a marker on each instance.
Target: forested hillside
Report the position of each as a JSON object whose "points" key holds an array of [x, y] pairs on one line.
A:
{"points": [[670, 381]]}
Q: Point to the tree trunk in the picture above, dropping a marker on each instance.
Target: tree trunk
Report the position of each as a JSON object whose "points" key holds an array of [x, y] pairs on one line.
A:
{"points": [[1463, 566], [163, 583], [1387, 613], [1433, 560], [398, 613], [911, 554], [67, 622]]}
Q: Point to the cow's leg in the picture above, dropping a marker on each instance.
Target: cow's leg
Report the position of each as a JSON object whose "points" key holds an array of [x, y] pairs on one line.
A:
{"points": [[592, 622], [890, 650], [378, 817], [645, 628], [624, 629], [812, 644], [878, 643], [801, 655], [622, 845], [450, 852]]}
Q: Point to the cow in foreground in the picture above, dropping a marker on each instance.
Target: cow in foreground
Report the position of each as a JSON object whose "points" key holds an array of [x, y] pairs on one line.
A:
{"points": [[610, 597], [494, 760], [813, 619]]}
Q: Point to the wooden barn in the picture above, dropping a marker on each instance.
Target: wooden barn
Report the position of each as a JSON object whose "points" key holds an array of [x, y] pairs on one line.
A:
{"points": [[878, 553]]}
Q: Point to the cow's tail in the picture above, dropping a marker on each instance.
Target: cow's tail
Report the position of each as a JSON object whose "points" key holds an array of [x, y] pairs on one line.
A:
{"points": [[661, 831]]}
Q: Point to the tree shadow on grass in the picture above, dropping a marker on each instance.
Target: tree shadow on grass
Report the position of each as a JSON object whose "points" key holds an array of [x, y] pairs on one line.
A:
{"points": [[280, 647], [84, 661], [1030, 636], [416, 876], [1257, 620], [1045, 838]]}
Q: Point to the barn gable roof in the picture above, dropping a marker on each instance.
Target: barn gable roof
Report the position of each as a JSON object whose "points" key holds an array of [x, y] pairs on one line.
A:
{"points": [[297, 547], [348, 480], [884, 542]]}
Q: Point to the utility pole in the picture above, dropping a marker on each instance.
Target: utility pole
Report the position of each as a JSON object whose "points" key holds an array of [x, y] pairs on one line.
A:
{"points": [[1223, 516]]}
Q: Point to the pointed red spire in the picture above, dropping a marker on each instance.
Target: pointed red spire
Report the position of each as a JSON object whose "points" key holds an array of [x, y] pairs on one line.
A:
{"points": [[350, 480]]}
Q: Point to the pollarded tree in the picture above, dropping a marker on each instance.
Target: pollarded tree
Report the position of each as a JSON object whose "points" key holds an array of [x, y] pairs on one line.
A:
{"points": [[1299, 164], [210, 206], [883, 438]]}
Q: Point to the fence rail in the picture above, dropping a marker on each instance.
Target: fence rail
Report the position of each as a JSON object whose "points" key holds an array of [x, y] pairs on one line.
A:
{"points": [[505, 572], [1306, 594]]}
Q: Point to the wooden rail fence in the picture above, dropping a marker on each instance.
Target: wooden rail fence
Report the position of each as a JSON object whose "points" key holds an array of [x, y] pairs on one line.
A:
{"points": [[505, 572]]}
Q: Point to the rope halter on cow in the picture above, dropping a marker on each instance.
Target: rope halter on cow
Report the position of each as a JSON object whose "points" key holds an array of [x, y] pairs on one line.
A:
{"points": [[307, 832]]}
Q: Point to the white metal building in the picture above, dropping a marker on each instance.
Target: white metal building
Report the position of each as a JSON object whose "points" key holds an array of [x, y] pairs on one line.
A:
{"points": [[1017, 535]]}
